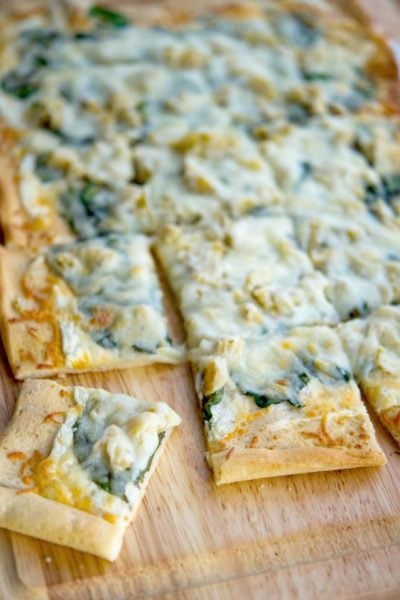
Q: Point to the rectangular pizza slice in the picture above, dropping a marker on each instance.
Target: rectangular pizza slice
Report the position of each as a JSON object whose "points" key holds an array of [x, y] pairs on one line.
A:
{"points": [[319, 167], [282, 405], [248, 278], [373, 345], [84, 306], [75, 463], [360, 258]]}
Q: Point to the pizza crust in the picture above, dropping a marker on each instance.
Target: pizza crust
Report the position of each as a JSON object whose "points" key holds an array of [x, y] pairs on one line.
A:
{"points": [[27, 512], [301, 447], [254, 463]]}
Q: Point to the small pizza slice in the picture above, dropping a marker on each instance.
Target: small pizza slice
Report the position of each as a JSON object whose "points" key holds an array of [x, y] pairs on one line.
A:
{"points": [[284, 405], [360, 258], [84, 306], [246, 278], [320, 167], [75, 463], [373, 345]]}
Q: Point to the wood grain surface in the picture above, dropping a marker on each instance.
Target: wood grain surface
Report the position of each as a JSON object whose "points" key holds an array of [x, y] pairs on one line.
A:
{"points": [[330, 535]]}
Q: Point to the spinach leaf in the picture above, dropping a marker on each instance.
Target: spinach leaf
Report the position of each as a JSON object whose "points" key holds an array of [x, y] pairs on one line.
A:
{"points": [[83, 440], [108, 16], [316, 76], [304, 378], [44, 38], [140, 478], [388, 190], [141, 349], [359, 311], [86, 208], [264, 400], [105, 485], [82, 36], [298, 114], [104, 338], [20, 84], [211, 400], [344, 374]]}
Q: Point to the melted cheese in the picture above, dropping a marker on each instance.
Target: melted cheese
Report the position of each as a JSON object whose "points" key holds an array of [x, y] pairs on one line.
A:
{"points": [[103, 451], [248, 279], [103, 103], [361, 259]]}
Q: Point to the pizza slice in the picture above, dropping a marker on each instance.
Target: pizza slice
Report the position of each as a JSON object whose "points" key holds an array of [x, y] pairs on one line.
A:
{"points": [[84, 306], [246, 278], [75, 463], [373, 345], [282, 405], [360, 258], [320, 167]]}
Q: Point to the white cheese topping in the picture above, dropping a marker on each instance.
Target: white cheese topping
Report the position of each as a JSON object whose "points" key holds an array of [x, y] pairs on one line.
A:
{"points": [[104, 450]]}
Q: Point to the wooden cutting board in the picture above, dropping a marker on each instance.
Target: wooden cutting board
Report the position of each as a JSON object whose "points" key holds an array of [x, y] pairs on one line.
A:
{"points": [[334, 534]]}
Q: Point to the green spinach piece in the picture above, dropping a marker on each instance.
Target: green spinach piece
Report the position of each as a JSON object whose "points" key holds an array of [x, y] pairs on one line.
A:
{"points": [[298, 114], [344, 374], [86, 208], [140, 478], [264, 400], [105, 339], [105, 485], [44, 38], [316, 76], [20, 84], [83, 440], [304, 378], [210, 401], [141, 349], [107, 16], [388, 190]]}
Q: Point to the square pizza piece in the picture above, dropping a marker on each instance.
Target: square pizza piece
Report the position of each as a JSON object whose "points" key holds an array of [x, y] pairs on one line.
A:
{"points": [[75, 463], [247, 278], [281, 406], [84, 306], [373, 344], [360, 258]]}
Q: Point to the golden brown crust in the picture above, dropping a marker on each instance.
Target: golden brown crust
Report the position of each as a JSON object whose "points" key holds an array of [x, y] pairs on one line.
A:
{"points": [[29, 438], [39, 517], [253, 463]]}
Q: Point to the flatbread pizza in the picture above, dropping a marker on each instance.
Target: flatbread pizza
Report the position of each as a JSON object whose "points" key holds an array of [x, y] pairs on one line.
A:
{"points": [[75, 463]]}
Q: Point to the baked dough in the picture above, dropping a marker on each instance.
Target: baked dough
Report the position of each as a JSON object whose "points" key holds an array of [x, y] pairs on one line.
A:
{"points": [[37, 434]]}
